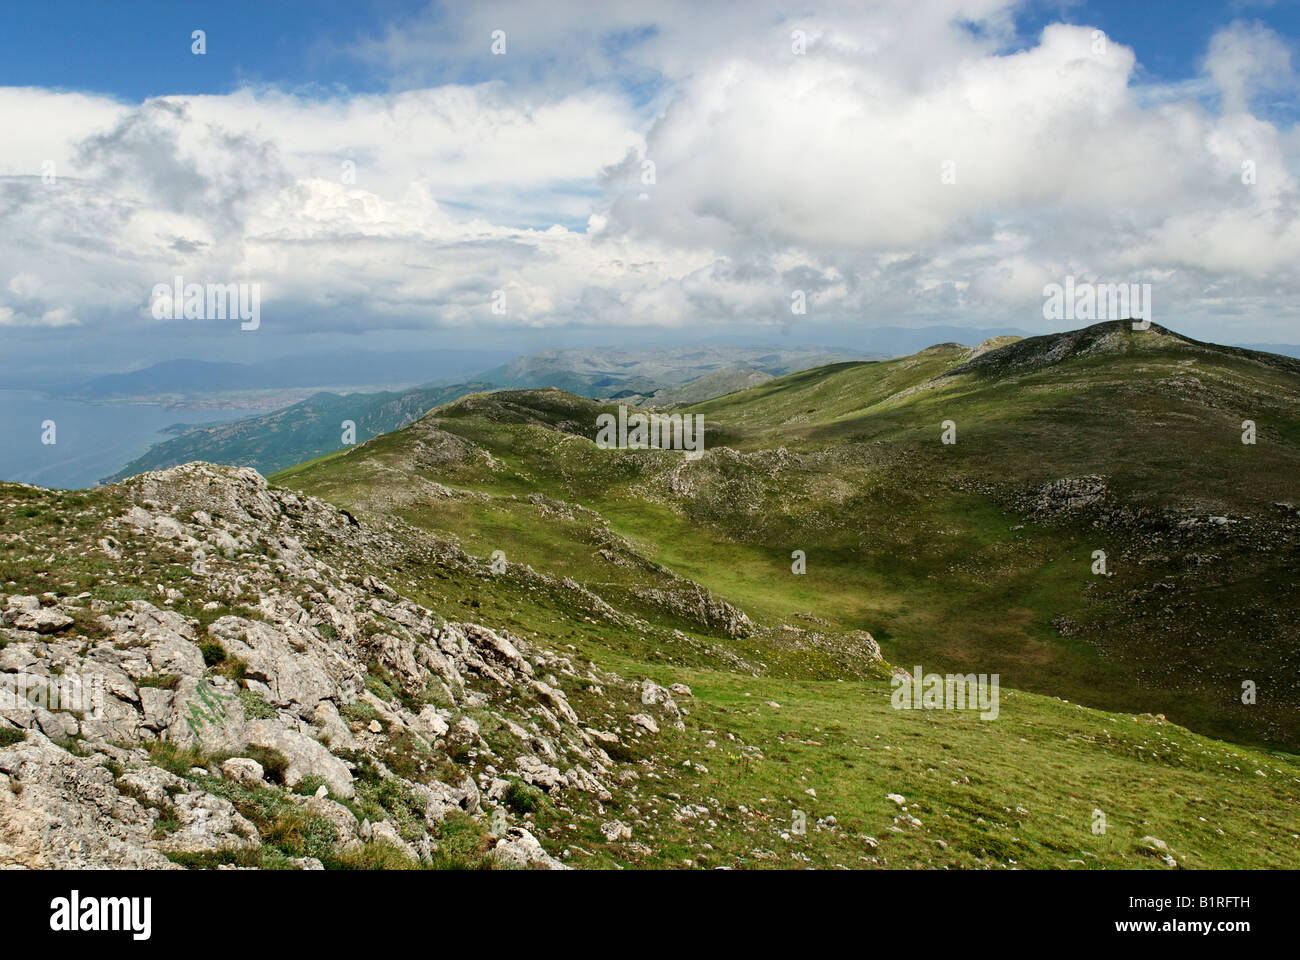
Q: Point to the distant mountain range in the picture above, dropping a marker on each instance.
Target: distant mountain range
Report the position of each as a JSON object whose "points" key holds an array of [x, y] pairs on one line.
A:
{"points": [[310, 428], [314, 426], [188, 378], [602, 373]]}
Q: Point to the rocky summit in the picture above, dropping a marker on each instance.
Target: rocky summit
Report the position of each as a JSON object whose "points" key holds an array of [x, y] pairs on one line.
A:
{"points": [[306, 713]]}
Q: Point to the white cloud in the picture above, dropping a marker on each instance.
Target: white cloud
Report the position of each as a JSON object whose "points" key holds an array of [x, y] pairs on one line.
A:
{"points": [[1244, 59], [774, 171]]}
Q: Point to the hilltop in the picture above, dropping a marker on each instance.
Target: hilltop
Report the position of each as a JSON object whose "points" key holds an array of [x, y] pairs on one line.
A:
{"points": [[976, 556], [1110, 337]]}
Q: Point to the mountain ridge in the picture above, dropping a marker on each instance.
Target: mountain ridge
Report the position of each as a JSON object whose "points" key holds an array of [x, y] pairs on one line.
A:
{"points": [[859, 446], [1031, 353]]}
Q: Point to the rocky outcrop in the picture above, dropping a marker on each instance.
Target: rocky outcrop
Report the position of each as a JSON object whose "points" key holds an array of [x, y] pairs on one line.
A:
{"points": [[698, 605], [309, 700], [60, 811], [1070, 494], [519, 848]]}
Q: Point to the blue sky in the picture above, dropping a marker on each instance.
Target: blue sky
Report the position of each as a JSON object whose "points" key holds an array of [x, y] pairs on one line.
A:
{"points": [[130, 50], [140, 48], [638, 171], [1170, 36]]}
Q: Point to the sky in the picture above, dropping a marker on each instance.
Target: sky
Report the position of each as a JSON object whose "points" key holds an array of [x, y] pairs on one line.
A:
{"points": [[531, 175]]}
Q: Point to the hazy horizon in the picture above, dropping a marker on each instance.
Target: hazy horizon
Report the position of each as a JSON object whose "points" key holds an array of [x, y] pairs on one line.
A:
{"points": [[421, 176]]}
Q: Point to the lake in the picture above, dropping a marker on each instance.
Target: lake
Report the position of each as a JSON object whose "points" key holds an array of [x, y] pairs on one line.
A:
{"points": [[92, 440]]}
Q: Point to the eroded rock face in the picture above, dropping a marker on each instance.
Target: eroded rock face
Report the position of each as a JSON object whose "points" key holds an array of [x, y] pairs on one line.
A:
{"points": [[59, 811], [294, 664], [693, 602], [42, 621], [307, 757], [306, 676], [208, 824]]}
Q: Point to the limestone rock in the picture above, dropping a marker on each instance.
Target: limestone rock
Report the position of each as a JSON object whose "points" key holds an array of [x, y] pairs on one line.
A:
{"points": [[207, 824], [307, 757], [42, 620], [645, 721], [245, 771], [59, 811], [519, 848]]}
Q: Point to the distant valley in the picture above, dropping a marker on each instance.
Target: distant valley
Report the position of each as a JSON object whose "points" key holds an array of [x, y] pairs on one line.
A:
{"points": [[314, 426]]}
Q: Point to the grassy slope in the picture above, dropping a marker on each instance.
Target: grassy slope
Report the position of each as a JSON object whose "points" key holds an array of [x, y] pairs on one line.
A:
{"points": [[1157, 631], [916, 542], [1018, 791], [913, 540]]}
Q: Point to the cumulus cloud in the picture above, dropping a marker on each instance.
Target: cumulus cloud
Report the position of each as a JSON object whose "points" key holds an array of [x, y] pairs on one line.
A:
{"points": [[1007, 171], [891, 161], [1245, 59]]}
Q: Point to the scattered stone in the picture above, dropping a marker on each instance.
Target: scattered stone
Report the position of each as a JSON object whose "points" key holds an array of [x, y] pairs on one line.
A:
{"points": [[244, 771], [519, 848], [645, 721], [614, 830], [43, 620]]}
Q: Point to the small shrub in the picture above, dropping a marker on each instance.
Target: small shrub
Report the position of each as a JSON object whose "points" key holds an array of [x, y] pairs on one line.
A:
{"points": [[164, 681], [176, 759], [298, 835], [619, 753], [11, 735], [380, 683], [358, 710], [406, 756], [255, 706], [232, 667], [522, 798], [308, 785], [210, 860], [460, 753], [373, 856], [213, 653], [463, 844]]}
